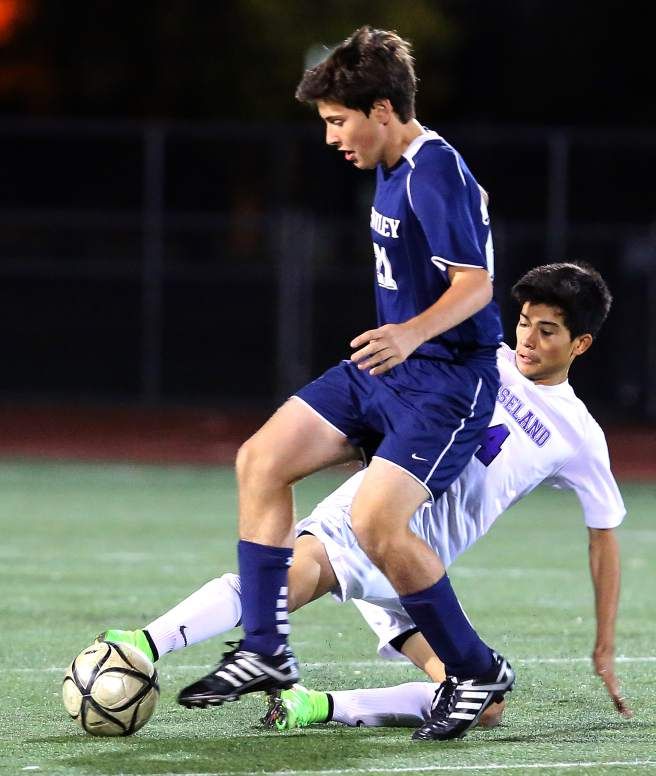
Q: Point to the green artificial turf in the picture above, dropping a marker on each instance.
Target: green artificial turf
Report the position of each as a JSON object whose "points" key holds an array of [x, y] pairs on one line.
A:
{"points": [[84, 547]]}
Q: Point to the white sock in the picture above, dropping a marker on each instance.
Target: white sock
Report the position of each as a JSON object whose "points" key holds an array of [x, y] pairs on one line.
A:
{"points": [[406, 705], [213, 609]]}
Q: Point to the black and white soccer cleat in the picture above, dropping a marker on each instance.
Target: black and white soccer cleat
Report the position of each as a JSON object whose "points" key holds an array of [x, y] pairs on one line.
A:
{"points": [[458, 705], [241, 672]]}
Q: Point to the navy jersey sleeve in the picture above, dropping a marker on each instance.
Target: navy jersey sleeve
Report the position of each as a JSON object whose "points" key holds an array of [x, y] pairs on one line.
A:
{"points": [[446, 200]]}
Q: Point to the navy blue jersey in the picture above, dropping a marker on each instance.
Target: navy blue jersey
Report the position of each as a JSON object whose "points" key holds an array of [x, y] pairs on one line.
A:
{"points": [[429, 214]]}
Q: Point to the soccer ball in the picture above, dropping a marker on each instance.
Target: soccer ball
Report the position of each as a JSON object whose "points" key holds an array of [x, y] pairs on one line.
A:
{"points": [[111, 689]]}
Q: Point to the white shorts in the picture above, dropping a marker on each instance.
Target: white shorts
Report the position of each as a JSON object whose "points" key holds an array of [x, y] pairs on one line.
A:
{"points": [[387, 624], [358, 579]]}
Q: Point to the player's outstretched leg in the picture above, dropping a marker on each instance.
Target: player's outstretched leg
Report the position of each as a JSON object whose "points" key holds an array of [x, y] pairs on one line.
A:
{"points": [[209, 611], [241, 671], [405, 705], [459, 704]]}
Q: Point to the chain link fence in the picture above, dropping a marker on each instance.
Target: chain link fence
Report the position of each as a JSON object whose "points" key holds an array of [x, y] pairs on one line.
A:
{"points": [[229, 263]]}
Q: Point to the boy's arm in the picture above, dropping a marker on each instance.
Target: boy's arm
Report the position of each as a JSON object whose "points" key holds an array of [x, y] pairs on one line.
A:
{"points": [[389, 345], [605, 571]]}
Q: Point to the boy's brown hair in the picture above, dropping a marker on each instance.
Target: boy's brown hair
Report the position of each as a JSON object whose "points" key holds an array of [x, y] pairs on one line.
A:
{"points": [[370, 65]]}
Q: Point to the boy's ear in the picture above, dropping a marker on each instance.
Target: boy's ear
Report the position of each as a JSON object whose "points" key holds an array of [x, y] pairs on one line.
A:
{"points": [[581, 343], [382, 110]]}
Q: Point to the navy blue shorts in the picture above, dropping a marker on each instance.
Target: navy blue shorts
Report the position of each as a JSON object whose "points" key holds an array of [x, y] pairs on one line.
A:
{"points": [[424, 415]]}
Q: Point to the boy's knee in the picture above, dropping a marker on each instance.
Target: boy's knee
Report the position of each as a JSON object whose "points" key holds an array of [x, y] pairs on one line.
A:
{"points": [[256, 466], [375, 539]]}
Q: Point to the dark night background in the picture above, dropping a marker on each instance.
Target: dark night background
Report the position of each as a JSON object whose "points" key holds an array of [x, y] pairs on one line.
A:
{"points": [[172, 230]]}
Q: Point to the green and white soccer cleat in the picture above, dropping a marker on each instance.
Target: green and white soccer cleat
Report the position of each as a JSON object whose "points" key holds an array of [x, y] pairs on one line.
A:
{"points": [[296, 708], [137, 638]]}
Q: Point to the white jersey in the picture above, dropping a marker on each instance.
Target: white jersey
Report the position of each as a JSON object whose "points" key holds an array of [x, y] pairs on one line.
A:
{"points": [[538, 434]]}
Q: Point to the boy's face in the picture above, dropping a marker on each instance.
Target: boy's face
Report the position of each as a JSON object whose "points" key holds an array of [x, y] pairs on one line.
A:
{"points": [[545, 348], [361, 138]]}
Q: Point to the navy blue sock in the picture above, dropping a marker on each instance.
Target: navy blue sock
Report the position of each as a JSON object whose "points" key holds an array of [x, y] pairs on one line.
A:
{"points": [[263, 573], [439, 616]]}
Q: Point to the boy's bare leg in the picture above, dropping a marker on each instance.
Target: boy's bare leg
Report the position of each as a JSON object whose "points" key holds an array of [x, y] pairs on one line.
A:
{"points": [[310, 575], [382, 508], [292, 444]]}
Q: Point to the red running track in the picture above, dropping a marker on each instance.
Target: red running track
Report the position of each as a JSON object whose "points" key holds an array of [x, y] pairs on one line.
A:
{"points": [[201, 436]]}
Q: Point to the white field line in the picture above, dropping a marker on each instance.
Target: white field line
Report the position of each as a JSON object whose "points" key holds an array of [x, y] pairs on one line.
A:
{"points": [[356, 664], [436, 768]]}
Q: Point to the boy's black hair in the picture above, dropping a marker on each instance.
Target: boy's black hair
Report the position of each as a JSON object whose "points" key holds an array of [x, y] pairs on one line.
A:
{"points": [[370, 65], [576, 288]]}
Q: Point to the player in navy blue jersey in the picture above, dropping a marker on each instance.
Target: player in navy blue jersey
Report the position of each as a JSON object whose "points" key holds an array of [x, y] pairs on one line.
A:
{"points": [[414, 398]]}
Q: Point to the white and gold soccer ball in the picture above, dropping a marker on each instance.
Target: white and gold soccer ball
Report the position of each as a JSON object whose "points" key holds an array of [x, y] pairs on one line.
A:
{"points": [[111, 689]]}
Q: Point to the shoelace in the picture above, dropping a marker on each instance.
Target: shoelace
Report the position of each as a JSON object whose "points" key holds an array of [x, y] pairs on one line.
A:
{"points": [[229, 653], [445, 697]]}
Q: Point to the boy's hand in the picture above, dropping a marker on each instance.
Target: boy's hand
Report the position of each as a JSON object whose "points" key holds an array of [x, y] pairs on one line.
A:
{"points": [[384, 348]]}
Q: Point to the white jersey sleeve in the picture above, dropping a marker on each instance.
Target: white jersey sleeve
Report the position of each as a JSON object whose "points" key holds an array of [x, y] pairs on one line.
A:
{"points": [[588, 474]]}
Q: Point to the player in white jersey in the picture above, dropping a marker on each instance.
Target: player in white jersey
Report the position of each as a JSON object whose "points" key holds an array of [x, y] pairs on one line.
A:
{"points": [[540, 433], [512, 461]]}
